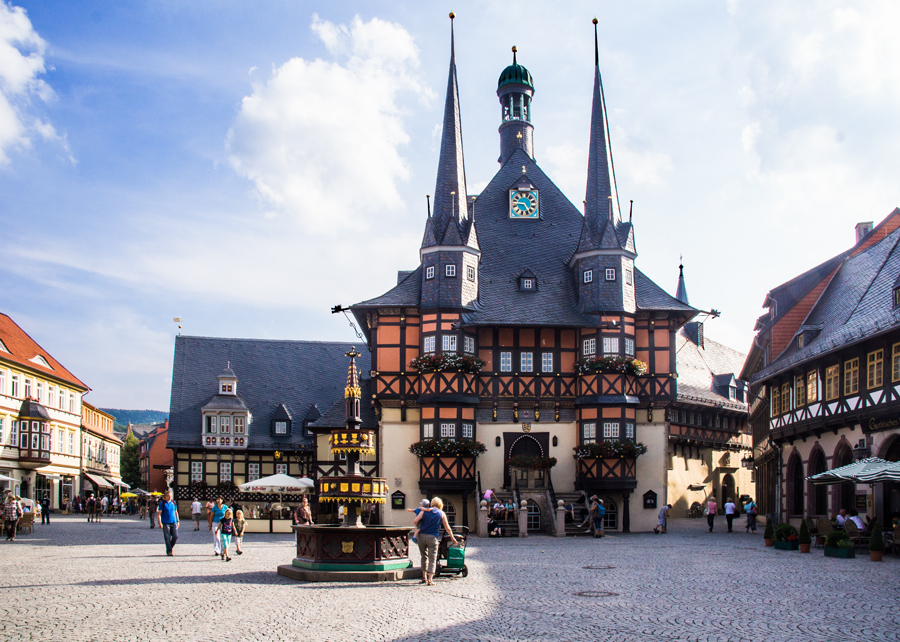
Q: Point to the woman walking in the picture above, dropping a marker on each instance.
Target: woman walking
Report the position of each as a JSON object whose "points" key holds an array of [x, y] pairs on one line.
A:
{"points": [[710, 512], [750, 509], [430, 523], [225, 530]]}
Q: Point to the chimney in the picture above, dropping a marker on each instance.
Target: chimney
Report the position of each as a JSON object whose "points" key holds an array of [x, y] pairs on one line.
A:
{"points": [[862, 229]]}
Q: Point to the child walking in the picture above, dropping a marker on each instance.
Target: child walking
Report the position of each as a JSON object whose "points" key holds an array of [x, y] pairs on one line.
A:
{"points": [[239, 526], [225, 529]]}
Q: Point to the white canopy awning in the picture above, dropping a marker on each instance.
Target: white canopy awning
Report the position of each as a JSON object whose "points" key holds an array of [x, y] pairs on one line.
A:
{"points": [[97, 479], [50, 475], [117, 482], [850, 473]]}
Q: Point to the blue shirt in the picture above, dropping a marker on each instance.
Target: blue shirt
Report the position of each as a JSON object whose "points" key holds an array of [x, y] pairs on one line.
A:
{"points": [[168, 512], [219, 513], [430, 524]]}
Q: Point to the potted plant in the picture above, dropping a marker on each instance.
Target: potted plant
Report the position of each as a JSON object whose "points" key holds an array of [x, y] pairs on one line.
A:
{"points": [[839, 544], [786, 537], [769, 533], [447, 362], [447, 448], [804, 538], [610, 365], [447, 459], [876, 543], [628, 449]]}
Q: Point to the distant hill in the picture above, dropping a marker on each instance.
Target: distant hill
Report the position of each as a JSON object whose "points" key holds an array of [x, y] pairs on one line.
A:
{"points": [[135, 417]]}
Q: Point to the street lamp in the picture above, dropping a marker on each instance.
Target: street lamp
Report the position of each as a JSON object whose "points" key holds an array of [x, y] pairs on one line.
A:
{"points": [[861, 451], [747, 462]]}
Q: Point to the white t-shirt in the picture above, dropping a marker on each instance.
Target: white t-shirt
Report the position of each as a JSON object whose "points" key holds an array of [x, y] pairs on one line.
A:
{"points": [[729, 508], [858, 521], [196, 508]]}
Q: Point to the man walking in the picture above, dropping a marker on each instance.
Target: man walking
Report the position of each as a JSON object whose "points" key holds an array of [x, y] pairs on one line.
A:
{"points": [[168, 521], [196, 509], [45, 509]]}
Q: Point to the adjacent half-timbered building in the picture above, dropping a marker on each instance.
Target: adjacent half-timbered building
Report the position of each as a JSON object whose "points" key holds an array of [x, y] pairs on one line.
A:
{"points": [[499, 335], [242, 409], [825, 379]]}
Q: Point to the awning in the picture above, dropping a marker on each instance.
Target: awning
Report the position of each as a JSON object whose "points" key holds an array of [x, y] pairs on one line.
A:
{"points": [[117, 482], [850, 473], [97, 479], [50, 475]]}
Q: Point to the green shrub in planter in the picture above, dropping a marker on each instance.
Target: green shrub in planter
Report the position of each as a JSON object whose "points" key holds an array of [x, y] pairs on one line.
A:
{"points": [[784, 532], [804, 537], [838, 539], [769, 533], [876, 541]]}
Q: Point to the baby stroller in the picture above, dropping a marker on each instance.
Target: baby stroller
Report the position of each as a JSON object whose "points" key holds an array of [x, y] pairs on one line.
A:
{"points": [[452, 559]]}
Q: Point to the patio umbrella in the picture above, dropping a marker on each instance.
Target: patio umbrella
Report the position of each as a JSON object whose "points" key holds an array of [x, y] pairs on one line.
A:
{"points": [[889, 472], [140, 491], [127, 495], [156, 493], [850, 473], [5, 478], [278, 484]]}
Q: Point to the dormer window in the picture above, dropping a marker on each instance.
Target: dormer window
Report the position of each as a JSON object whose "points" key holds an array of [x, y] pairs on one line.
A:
{"points": [[227, 388], [281, 427], [610, 274], [801, 341], [897, 297], [450, 270], [39, 360], [527, 284], [588, 276], [281, 422], [429, 272]]}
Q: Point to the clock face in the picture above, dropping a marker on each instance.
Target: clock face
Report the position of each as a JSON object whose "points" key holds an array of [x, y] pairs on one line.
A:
{"points": [[523, 204]]}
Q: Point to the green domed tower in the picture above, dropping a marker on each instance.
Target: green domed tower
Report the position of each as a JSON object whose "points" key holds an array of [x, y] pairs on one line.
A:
{"points": [[515, 89]]}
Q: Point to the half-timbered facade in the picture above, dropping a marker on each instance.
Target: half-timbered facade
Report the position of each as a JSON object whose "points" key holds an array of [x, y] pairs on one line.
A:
{"points": [[519, 282], [825, 376], [242, 409]]}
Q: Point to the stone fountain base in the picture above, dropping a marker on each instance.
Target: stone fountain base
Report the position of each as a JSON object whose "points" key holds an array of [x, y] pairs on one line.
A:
{"points": [[348, 554]]}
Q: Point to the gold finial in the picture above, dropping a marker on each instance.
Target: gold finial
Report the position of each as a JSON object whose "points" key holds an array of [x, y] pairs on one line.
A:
{"points": [[452, 15], [595, 21], [515, 49], [519, 135]]}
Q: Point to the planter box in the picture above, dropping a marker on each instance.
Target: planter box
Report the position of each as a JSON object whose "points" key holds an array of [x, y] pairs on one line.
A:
{"points": [[787, 546], [844, 553]]}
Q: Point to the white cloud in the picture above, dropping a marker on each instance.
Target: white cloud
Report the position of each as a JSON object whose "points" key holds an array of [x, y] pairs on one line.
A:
{"points": [[21, 65], [321, 140]]}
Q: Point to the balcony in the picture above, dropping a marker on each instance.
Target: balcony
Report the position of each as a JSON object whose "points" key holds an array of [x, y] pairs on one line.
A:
{"points": [[441, 474], [456, 387], [606, 474], [603, 388]]}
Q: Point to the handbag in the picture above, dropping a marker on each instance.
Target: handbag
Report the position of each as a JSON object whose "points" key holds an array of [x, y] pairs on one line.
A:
{"points": [[706, 512]]}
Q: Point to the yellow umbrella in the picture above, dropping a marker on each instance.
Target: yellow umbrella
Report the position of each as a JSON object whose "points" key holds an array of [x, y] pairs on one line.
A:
{"points": [[127, 495], [156, 492]]}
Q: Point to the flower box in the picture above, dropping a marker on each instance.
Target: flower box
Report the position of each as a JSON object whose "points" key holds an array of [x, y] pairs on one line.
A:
{"points": [[787, 546], [844, 553]]}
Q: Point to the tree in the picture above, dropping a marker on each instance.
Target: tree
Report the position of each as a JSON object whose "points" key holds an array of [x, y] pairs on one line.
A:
{"points": [[129, 461]]}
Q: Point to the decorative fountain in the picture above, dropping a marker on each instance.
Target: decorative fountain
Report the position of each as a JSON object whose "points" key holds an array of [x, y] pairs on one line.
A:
{"points": [[351, 551]]}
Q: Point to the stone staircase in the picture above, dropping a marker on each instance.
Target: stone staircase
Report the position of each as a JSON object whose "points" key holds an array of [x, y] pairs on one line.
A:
{"points": [[509, 528], [572, 529]]}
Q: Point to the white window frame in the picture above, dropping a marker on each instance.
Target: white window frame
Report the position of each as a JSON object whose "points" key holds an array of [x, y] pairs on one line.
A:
{"points": [[225, 425], [589, 347], [13, 433], [629, 276], [71, 443], [448, 343], [224, 471], [281, 469], [468, 431], [51, 392], [196, 471], [212, 425], [589, 433], [526, 362], [629, 347], [428, 345], [39, 391], [527, 284], [629, 430], [506, 362], [588, 276], [610, 430], [428, 430], [252, 471], [2, 382], [470, 273], [238, 425], [450, 270], [281, 427], [62, 398], [72, 402], [469, 344], [28, 387], [610, 274], [45, 442], [448, 431], [14, 385], [611, 345], [429, 272], [60, 440], [546, 362]]}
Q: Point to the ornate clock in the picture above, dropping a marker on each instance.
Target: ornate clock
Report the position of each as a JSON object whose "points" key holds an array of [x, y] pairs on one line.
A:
{"points": [[523, 204]]}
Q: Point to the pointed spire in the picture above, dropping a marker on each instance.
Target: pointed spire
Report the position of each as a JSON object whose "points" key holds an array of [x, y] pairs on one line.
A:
{"points": [[602, 199], [450, 190], [681, 292], [352, 393]]}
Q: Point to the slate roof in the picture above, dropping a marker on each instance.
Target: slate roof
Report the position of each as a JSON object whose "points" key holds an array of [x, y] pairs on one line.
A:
{"points": [[298, 374], [701, 369], [856, 305], [407, 293], [21, 349]]}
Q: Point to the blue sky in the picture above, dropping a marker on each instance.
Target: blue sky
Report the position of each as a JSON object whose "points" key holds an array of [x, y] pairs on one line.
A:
{"points": [[247, 165]]}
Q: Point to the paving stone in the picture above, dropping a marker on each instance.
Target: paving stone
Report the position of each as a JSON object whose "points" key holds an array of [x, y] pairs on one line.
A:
{"points": [[72, 581]]}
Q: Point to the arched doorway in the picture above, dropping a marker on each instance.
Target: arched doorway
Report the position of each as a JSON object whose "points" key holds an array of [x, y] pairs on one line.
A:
{"points": [[535, 524], [728, 488], [450, 512], [818, 495], [843, 495], [795, 482], [611, 518], [524, 445]]}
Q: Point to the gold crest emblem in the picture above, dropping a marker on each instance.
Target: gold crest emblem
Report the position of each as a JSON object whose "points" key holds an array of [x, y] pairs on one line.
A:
{"points": [[347, 547]]}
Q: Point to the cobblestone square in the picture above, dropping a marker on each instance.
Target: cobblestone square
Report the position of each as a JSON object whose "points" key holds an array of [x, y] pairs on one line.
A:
{"points": [[73, 581]]}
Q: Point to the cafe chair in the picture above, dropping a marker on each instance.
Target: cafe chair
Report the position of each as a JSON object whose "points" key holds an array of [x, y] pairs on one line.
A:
{"points": [[823, 528], [26, 522]]}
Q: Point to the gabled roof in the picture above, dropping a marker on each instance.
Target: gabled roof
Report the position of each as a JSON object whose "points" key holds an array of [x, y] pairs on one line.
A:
{"points": [[21, 350], [856, 305], [298, 374], [407, 293], [702, 371]]}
